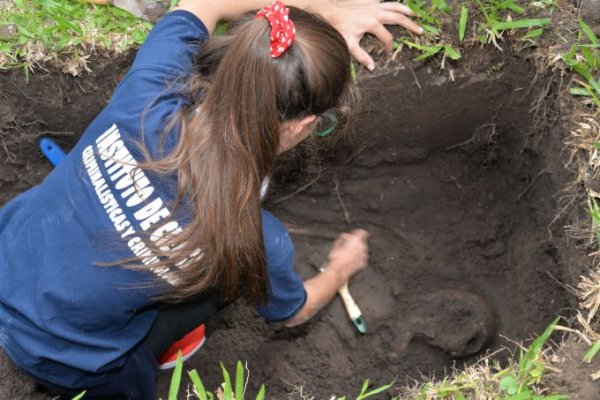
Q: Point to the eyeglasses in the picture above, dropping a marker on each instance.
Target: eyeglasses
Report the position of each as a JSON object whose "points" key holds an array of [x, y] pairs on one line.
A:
{"points": [[326, 124]]}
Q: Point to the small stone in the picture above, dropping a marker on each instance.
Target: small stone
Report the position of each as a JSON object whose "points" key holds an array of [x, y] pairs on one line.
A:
{"points": [[8, 31]]}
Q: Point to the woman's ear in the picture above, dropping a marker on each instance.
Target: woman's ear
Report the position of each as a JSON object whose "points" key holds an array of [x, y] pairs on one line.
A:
{"points": [[295, 130], [300, 125]]}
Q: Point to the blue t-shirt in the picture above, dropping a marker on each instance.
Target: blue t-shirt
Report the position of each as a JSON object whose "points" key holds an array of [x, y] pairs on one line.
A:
{"points": [[63, 317]]}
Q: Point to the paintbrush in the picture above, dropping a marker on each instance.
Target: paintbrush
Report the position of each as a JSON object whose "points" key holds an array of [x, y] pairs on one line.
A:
{"points": [[351, 308]]}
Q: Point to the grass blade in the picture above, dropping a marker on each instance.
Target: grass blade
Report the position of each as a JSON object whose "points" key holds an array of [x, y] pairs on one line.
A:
{"points": [[429, 52], [582, 69], [533, 34], [520, 23], [451, 52], [375, 391], [430, 29], [462, 22], [595, 85], [365, 386], [227, 388], [591, 352], [261, 393], [239, 381], [580, 91], [535, 348], [79, 396], [415, 45], [513, 7], [176, 378], [588, 32], [571, 54], [589, 57], [199, 388]]}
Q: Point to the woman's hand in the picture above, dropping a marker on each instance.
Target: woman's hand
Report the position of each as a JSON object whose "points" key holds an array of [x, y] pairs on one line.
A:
{"points": [[354, 18], [349, 253]]}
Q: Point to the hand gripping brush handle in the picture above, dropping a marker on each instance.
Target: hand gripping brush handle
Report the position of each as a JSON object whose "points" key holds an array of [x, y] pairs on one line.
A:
{"points": [[351, 308]]}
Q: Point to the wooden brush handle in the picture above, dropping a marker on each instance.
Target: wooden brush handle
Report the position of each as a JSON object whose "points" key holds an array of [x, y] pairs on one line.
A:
{"points": [[349, 303]]}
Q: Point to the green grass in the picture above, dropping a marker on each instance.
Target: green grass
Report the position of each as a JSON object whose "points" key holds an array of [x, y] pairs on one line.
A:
{"points": [[484, 21], [229, 390], [66, 31], [428, 51], [462, 22], [428, 14], [505, 15], [594, 212], [79, 396], [584, 59], [365, 393], [236, 389], [518, 381], [591, 352]]}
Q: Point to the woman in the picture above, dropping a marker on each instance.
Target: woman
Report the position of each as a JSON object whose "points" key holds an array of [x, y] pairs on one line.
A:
{"points": [[153, 221]]}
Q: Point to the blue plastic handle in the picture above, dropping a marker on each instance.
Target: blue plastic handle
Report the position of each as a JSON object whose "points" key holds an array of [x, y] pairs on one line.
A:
{"points": [[52, 151]]}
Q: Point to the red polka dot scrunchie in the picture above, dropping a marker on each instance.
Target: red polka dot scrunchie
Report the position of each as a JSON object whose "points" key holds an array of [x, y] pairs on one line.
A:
{"points": [[283, 31]]}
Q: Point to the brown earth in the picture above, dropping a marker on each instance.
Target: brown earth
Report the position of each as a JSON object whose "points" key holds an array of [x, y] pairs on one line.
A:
{"points": [[458, 183]]}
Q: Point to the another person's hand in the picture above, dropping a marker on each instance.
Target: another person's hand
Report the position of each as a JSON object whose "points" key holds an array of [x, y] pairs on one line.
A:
{"points": [[354, 18], [349, 253]]}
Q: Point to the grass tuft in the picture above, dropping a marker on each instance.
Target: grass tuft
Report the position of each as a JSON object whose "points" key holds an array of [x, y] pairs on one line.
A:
{"points": [[584, 59], [489, 21], [487, 380], [65, 33]]}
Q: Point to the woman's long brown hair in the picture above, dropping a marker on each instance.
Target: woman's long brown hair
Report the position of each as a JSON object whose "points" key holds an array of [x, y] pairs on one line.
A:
{"points": [[229, 138]]}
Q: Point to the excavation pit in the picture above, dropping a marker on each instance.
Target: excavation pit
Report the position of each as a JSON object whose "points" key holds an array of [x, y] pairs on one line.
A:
{"points": [[455, 181]]}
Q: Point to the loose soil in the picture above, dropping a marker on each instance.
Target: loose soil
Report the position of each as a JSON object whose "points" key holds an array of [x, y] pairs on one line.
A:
{"points": [[457, 182]]}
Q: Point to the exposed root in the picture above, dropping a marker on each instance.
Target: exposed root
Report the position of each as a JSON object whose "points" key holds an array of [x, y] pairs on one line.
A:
{"points": [[477, 137], [297, 392], [524, 192], [336, 189], [301, 188]]}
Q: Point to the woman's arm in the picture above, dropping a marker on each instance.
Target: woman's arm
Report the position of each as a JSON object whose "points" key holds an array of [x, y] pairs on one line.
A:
{"points": [[348, 256], [352, 18]]}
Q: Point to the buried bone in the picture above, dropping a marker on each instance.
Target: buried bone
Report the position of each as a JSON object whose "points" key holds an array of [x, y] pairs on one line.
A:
{"points": [[459, 323]]}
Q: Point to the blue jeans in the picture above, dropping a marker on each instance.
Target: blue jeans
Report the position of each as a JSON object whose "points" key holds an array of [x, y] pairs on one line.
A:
{"points": [[136, 379]]}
